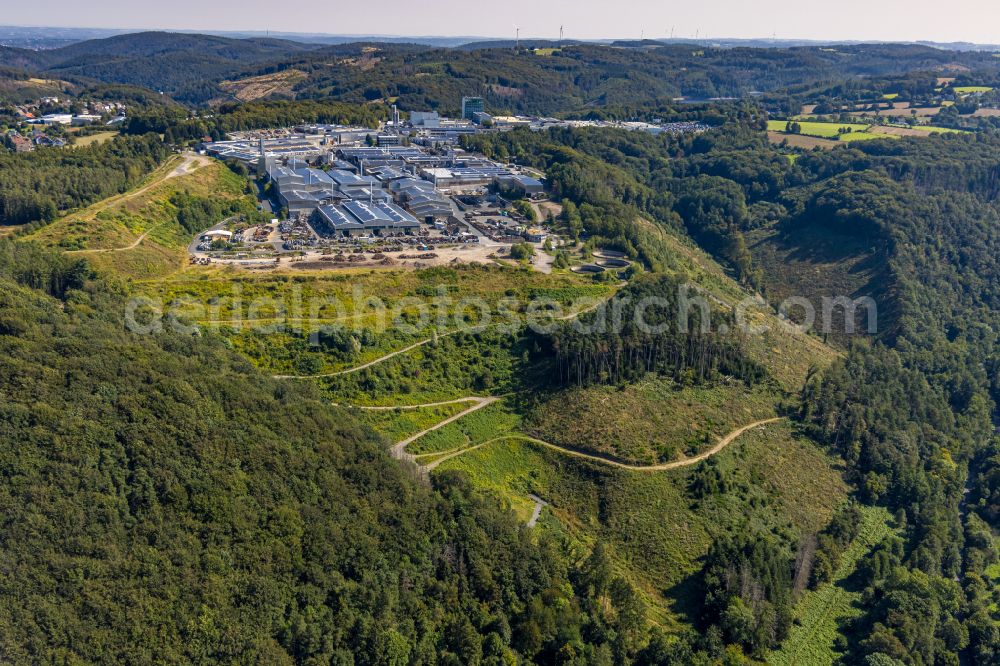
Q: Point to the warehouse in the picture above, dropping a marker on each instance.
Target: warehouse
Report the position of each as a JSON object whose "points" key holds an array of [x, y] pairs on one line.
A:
{"points": [[421, 198], [362, 218], [520, 184]]}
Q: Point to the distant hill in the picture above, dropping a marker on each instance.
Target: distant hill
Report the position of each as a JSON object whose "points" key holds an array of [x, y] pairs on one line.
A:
{"points": [[546, 77], [175, 63], [542, 76]]}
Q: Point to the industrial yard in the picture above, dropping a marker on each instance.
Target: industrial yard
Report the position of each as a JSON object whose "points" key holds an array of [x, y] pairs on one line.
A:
{"points": [[404, 194]]}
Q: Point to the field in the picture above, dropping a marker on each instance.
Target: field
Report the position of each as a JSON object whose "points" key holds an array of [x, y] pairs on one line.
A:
{"points": [[901, 112], [915, 130], [837, 131], [96, 137], [968, 90], [800, 140], [820, 613]]}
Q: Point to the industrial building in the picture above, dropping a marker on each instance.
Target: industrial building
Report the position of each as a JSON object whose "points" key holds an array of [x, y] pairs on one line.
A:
{"points": [[301, 189], [362, 218], [425, 119], [520, 184], [421, 198]]}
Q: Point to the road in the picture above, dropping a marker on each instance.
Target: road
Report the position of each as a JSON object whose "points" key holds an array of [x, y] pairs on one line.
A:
{"points": [[604, 460], [399, 449], [537, 512]]}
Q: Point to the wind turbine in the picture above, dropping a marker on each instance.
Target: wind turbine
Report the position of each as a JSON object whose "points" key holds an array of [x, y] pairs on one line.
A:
{"points": [[517, 38], [560, 35]]}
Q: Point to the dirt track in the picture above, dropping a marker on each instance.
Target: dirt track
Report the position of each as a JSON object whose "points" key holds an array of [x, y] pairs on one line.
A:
{"points": [[189, 164], [661, 467]]}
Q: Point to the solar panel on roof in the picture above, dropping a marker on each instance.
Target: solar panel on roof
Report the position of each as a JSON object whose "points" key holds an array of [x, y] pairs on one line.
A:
{"points": [[364, 212]]}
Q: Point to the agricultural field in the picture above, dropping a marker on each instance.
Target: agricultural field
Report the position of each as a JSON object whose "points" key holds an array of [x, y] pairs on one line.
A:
{"points": [[968, 90], [820, 613], [865, 136], [821, 129], [913, 130], [903, 110]]}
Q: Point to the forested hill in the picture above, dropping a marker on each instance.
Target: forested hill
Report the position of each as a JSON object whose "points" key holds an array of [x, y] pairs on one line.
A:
{"points": [[559, 77], [582, 75], [161, 61], [908, 410], [165, 503]]}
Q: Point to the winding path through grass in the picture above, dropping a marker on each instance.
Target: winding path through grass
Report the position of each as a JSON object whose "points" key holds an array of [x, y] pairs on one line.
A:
{"points": [[189, 164], [606, 460], [399, 448]]}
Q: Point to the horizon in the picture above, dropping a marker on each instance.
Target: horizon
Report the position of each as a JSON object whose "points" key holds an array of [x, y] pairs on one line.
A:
{"points": [[892, 21], [291, 34]]}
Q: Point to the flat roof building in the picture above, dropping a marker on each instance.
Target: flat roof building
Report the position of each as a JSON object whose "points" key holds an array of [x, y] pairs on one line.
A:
{"points": [[357, 218]]}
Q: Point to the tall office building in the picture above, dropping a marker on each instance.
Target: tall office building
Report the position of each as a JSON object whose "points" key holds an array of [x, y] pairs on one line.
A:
{"points": [[472, 106]]}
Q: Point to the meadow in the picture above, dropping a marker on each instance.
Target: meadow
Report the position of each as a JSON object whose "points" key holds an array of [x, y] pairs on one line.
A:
{"points": [[967, 90], [839, 131]]}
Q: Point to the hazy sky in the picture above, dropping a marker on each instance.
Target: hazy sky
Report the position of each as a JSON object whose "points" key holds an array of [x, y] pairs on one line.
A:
{"points": [[956, 20]]}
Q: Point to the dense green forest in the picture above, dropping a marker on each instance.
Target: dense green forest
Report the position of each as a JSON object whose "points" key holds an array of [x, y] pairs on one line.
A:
{"points": [[167, 503], [37, 186], [908, 410], [615, 346], [178, 127]]}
